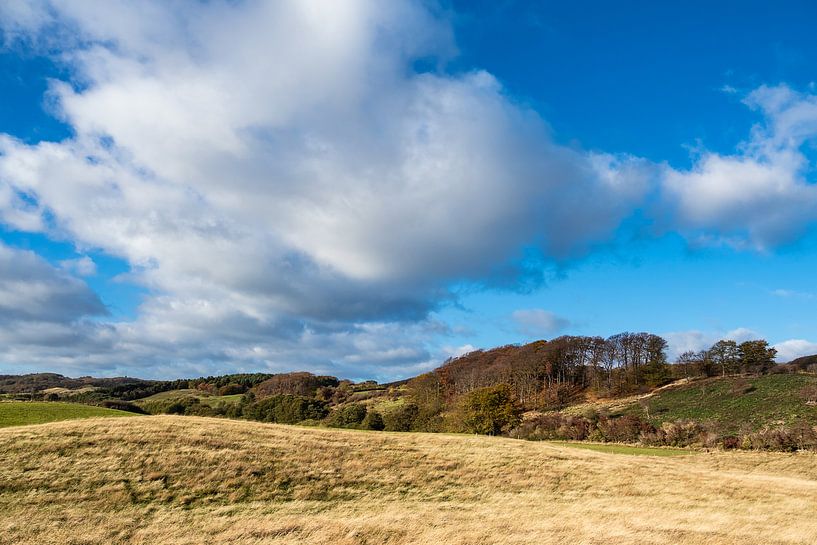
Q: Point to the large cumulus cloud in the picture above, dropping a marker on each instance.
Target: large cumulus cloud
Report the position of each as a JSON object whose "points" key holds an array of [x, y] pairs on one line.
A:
{"points": [[278, 173], [294, 192]]}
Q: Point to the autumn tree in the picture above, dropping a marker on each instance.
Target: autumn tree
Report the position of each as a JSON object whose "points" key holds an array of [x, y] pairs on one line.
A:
{"points": [[756, 356], [491, 410], [726, 356]]}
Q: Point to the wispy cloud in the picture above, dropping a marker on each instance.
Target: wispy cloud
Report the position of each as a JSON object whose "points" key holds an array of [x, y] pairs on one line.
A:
{"points": [[792, 294]]}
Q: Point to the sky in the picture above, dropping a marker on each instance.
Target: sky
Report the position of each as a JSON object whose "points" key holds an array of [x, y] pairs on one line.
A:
{"points": [[364, 188]]}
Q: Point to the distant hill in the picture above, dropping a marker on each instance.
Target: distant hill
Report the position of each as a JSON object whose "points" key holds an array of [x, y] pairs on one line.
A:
{"points": [[615, 389], [805, 363], [37, 382]]}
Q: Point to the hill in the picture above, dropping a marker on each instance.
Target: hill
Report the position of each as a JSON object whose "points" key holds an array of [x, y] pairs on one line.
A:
{"points": [[164, 401], [37, 382], [189, 480], [737, 397], [731, 403], [805, 363], [21, 413]]}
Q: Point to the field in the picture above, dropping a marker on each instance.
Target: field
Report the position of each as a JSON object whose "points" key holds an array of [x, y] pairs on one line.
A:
{"points": [[190, 480], [20, 413]]}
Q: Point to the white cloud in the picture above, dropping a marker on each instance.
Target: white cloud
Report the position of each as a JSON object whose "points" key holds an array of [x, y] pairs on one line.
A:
{"points": [[537, 322], [32, 290], [82, 266], [683, 341], [792, 294], [456, 351], [760, 196], [281, 180], [794, 348], [695, 341]]}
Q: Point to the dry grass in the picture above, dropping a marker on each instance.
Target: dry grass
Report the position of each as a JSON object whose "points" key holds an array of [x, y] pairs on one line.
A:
{"points": [[185, 480]]}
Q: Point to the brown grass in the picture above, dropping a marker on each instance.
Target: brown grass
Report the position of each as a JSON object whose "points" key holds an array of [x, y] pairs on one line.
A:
{"points": [[185, 480]]}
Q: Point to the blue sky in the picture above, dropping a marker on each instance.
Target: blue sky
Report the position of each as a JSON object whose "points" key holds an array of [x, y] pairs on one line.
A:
{"points": [[365, 189]]}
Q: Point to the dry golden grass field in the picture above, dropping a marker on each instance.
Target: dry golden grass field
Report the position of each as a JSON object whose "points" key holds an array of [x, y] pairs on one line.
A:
{"points": [[186, 480]]}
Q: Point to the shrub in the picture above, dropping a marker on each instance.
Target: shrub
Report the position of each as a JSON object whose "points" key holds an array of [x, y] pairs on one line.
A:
{"points": [[799, 436], [490, 411], [553, 426], [623, 429], [286, 409], [199, 409], [401, 418], [348, 416], [429, 419], [122, 406], [730, 442], [177, 407], [683, 433], [231, 389], [373, 421]]}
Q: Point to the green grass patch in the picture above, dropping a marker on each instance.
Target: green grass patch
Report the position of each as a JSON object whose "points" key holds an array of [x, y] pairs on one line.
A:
{"points": [[22, 413], [175, 394], [734, 402], [612, 448], [216, 400], [158, 403]]}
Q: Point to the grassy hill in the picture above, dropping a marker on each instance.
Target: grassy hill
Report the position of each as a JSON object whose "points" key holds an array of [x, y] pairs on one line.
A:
{"points": [[158, 403], [21, 413], [36, 382], [189, 480], [203, 397], [732, 403]]}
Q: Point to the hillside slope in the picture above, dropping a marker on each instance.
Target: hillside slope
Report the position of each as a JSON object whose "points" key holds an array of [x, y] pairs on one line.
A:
{"points": [[21, 413], [732, 403], [188, 480]]}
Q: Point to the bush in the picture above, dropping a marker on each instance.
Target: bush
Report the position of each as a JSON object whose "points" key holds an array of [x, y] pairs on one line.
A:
{"points": [[730, 442], [373, 421], [800, 436], [401, 418], [429, 419], [286, 409], [623, 429], [348, 416], [177, 407], [490, 411], [553, 426], [683, 433], [231, 389], [122, 406]]}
